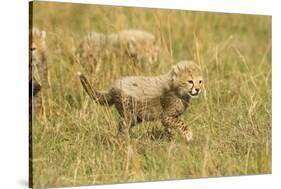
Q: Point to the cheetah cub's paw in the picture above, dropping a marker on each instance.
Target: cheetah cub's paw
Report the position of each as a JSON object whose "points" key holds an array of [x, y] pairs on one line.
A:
{"points": [[187, 135]]}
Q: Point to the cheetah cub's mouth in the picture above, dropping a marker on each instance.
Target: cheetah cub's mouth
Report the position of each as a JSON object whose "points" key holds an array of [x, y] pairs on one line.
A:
{"points": [[194, 93]]}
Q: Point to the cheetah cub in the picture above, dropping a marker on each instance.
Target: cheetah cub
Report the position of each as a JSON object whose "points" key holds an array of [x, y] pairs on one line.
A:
{"points": [[38, 69], [163, 97], [137, 45]]}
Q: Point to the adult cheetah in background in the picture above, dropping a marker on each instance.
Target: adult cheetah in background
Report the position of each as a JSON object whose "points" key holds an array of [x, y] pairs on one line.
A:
{"points": [[163, 97], [138, 45]]}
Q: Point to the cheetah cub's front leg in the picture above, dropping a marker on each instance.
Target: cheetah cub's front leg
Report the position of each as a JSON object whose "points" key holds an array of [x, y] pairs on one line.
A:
{"points": [[179, 125]]}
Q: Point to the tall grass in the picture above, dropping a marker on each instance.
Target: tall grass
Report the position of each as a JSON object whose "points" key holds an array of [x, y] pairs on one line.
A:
{"points": [[76, 142]]}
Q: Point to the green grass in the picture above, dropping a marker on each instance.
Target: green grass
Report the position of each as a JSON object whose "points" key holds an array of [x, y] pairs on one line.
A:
{"points": [[76, 142]]}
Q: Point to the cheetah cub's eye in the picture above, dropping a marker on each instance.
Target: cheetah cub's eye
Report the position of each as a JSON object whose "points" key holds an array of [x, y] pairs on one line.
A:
{"points": [[200, 81], [190, 81], [32, 49]]}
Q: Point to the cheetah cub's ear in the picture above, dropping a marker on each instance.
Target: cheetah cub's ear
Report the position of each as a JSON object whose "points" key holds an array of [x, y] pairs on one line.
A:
{"points": [[131, 46], [181, 67], [157, 42], [43, 34]]}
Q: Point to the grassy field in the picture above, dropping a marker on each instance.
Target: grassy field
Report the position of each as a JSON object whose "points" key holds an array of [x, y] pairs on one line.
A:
{"points": [[75, 142]]}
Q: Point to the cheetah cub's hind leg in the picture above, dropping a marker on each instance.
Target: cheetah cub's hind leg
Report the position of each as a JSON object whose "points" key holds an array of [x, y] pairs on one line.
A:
{"points": [[124, 125], [174, 123], [127, 109]]}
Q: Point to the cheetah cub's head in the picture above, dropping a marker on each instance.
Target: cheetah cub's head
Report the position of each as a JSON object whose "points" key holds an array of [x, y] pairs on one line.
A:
{"points": [[143, 46], [187, 79], [144, 51], [37, 45]]}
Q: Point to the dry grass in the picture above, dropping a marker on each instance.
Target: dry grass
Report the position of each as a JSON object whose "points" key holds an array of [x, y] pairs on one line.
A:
{"points": [[75, 142]]}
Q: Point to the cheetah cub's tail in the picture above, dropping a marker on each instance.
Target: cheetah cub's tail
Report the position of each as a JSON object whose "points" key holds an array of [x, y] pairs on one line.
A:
{"points": [[100, 97]]}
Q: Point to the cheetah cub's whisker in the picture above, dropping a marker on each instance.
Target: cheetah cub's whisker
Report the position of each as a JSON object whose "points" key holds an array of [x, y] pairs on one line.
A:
{"points": [[164, 97]]}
